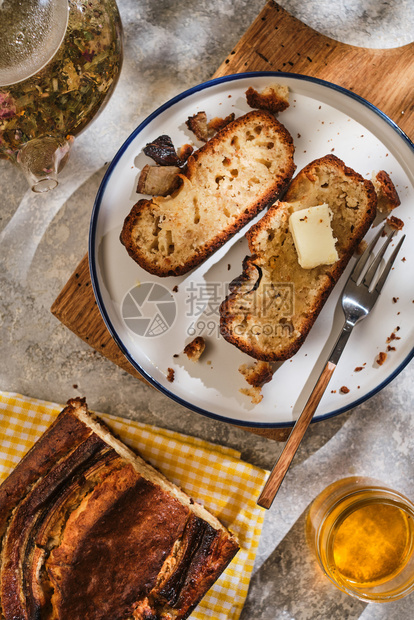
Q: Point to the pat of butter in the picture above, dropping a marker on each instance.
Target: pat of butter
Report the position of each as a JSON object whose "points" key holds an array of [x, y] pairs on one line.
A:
{"points": [[313, 237]]}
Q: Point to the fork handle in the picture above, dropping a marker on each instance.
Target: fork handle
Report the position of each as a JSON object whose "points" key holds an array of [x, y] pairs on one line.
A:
{"points": [[339, 345], [282, 465], [278, 472]]}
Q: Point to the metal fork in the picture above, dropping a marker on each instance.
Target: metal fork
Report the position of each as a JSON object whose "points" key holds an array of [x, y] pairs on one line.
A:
{"points": [[358, 297]]}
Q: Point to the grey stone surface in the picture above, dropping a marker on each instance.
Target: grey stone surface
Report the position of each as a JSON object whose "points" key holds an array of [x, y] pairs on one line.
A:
{"points": [[170, 46]]}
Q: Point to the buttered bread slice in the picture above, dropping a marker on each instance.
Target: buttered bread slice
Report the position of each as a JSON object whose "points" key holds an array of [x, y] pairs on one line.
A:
{"points": [[239, 172], [274, 303]]}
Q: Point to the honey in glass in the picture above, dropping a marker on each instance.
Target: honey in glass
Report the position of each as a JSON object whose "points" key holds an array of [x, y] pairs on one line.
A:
{"points": [[362, 534]]}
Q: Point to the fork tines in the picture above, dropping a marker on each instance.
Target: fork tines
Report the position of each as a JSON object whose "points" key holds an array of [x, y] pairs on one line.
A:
{"points": [[388, 265], [367, 266]]}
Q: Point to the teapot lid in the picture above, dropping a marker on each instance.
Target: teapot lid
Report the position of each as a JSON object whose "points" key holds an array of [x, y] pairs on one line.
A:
{"points": [[31, 32]]}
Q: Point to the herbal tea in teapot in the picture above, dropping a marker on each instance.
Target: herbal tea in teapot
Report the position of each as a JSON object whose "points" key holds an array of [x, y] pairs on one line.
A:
{"points": [[60, 80]]}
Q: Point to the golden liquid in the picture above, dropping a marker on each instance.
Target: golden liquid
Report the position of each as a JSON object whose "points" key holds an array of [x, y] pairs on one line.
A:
{"points": [[63, 97], [373, 544]]}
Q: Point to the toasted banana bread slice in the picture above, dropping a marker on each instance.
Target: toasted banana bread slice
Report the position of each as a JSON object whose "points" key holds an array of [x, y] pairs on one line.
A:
{"points": [[239, 172], [274, 303]]}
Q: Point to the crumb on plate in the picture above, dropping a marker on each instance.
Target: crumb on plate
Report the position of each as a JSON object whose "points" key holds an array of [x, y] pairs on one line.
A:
{"points": [[387, 195], [382, 356], [274, 98], [256, 376], [195, 348], [395, 222], [254, 393]]}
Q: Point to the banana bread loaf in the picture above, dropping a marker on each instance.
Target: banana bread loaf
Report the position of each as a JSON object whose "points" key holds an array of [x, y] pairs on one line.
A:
{"points": [[90, 531]]}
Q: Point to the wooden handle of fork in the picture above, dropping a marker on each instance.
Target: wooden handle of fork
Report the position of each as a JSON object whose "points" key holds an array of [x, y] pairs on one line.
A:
{"points": [[278, 472]]}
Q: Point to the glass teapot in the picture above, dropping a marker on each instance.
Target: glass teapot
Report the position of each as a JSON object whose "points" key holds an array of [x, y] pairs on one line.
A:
{"points": [[59, 63]]}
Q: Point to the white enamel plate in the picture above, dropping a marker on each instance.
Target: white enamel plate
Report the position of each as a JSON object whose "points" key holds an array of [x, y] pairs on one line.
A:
{"points": [[153, 318]]}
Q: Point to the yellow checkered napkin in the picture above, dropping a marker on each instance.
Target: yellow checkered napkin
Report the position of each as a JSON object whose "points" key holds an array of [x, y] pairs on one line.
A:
{"points": [[213, 475]]}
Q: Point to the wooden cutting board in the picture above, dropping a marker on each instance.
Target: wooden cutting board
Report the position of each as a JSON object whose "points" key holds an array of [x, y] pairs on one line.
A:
{"points": [[276, 41]]}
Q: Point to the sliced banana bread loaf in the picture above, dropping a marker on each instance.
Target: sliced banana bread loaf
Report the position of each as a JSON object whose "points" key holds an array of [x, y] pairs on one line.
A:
{"points": [[90, 531]]}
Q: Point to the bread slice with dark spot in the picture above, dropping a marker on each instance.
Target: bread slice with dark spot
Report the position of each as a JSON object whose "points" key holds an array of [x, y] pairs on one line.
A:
{"points": [[274, 303], [239, 172]]}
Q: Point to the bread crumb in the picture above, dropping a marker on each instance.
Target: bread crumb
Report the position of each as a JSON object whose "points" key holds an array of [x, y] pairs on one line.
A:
{"points": [[390, 348], [195, 348], [184, 152], [257, 376], [395, 222], [344, 389], [395, 299], [387, 195], [274, 98], [217, 123], [393, 336], [255, 394], [170, 375], [198, 125], [381, 358], [358, 369], [203, 129], [158, 180]]}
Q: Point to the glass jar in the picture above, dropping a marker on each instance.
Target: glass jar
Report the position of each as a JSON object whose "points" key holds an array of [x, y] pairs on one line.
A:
{"points": [[362, 534]]}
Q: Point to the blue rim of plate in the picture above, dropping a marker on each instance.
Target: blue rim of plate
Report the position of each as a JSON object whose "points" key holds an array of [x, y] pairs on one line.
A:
{"points": [[92, 242]]}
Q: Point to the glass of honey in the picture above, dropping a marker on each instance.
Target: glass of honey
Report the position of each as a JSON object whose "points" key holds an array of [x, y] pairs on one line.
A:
{"points": [[362, 534]]}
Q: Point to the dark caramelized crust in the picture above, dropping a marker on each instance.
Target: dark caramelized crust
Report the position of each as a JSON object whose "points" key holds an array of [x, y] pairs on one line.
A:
{"points": [[124, 520], [198, 125], [64, 434], [26, 517], [98, 533], [274, 98], [47, 533], [202, 550]]}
